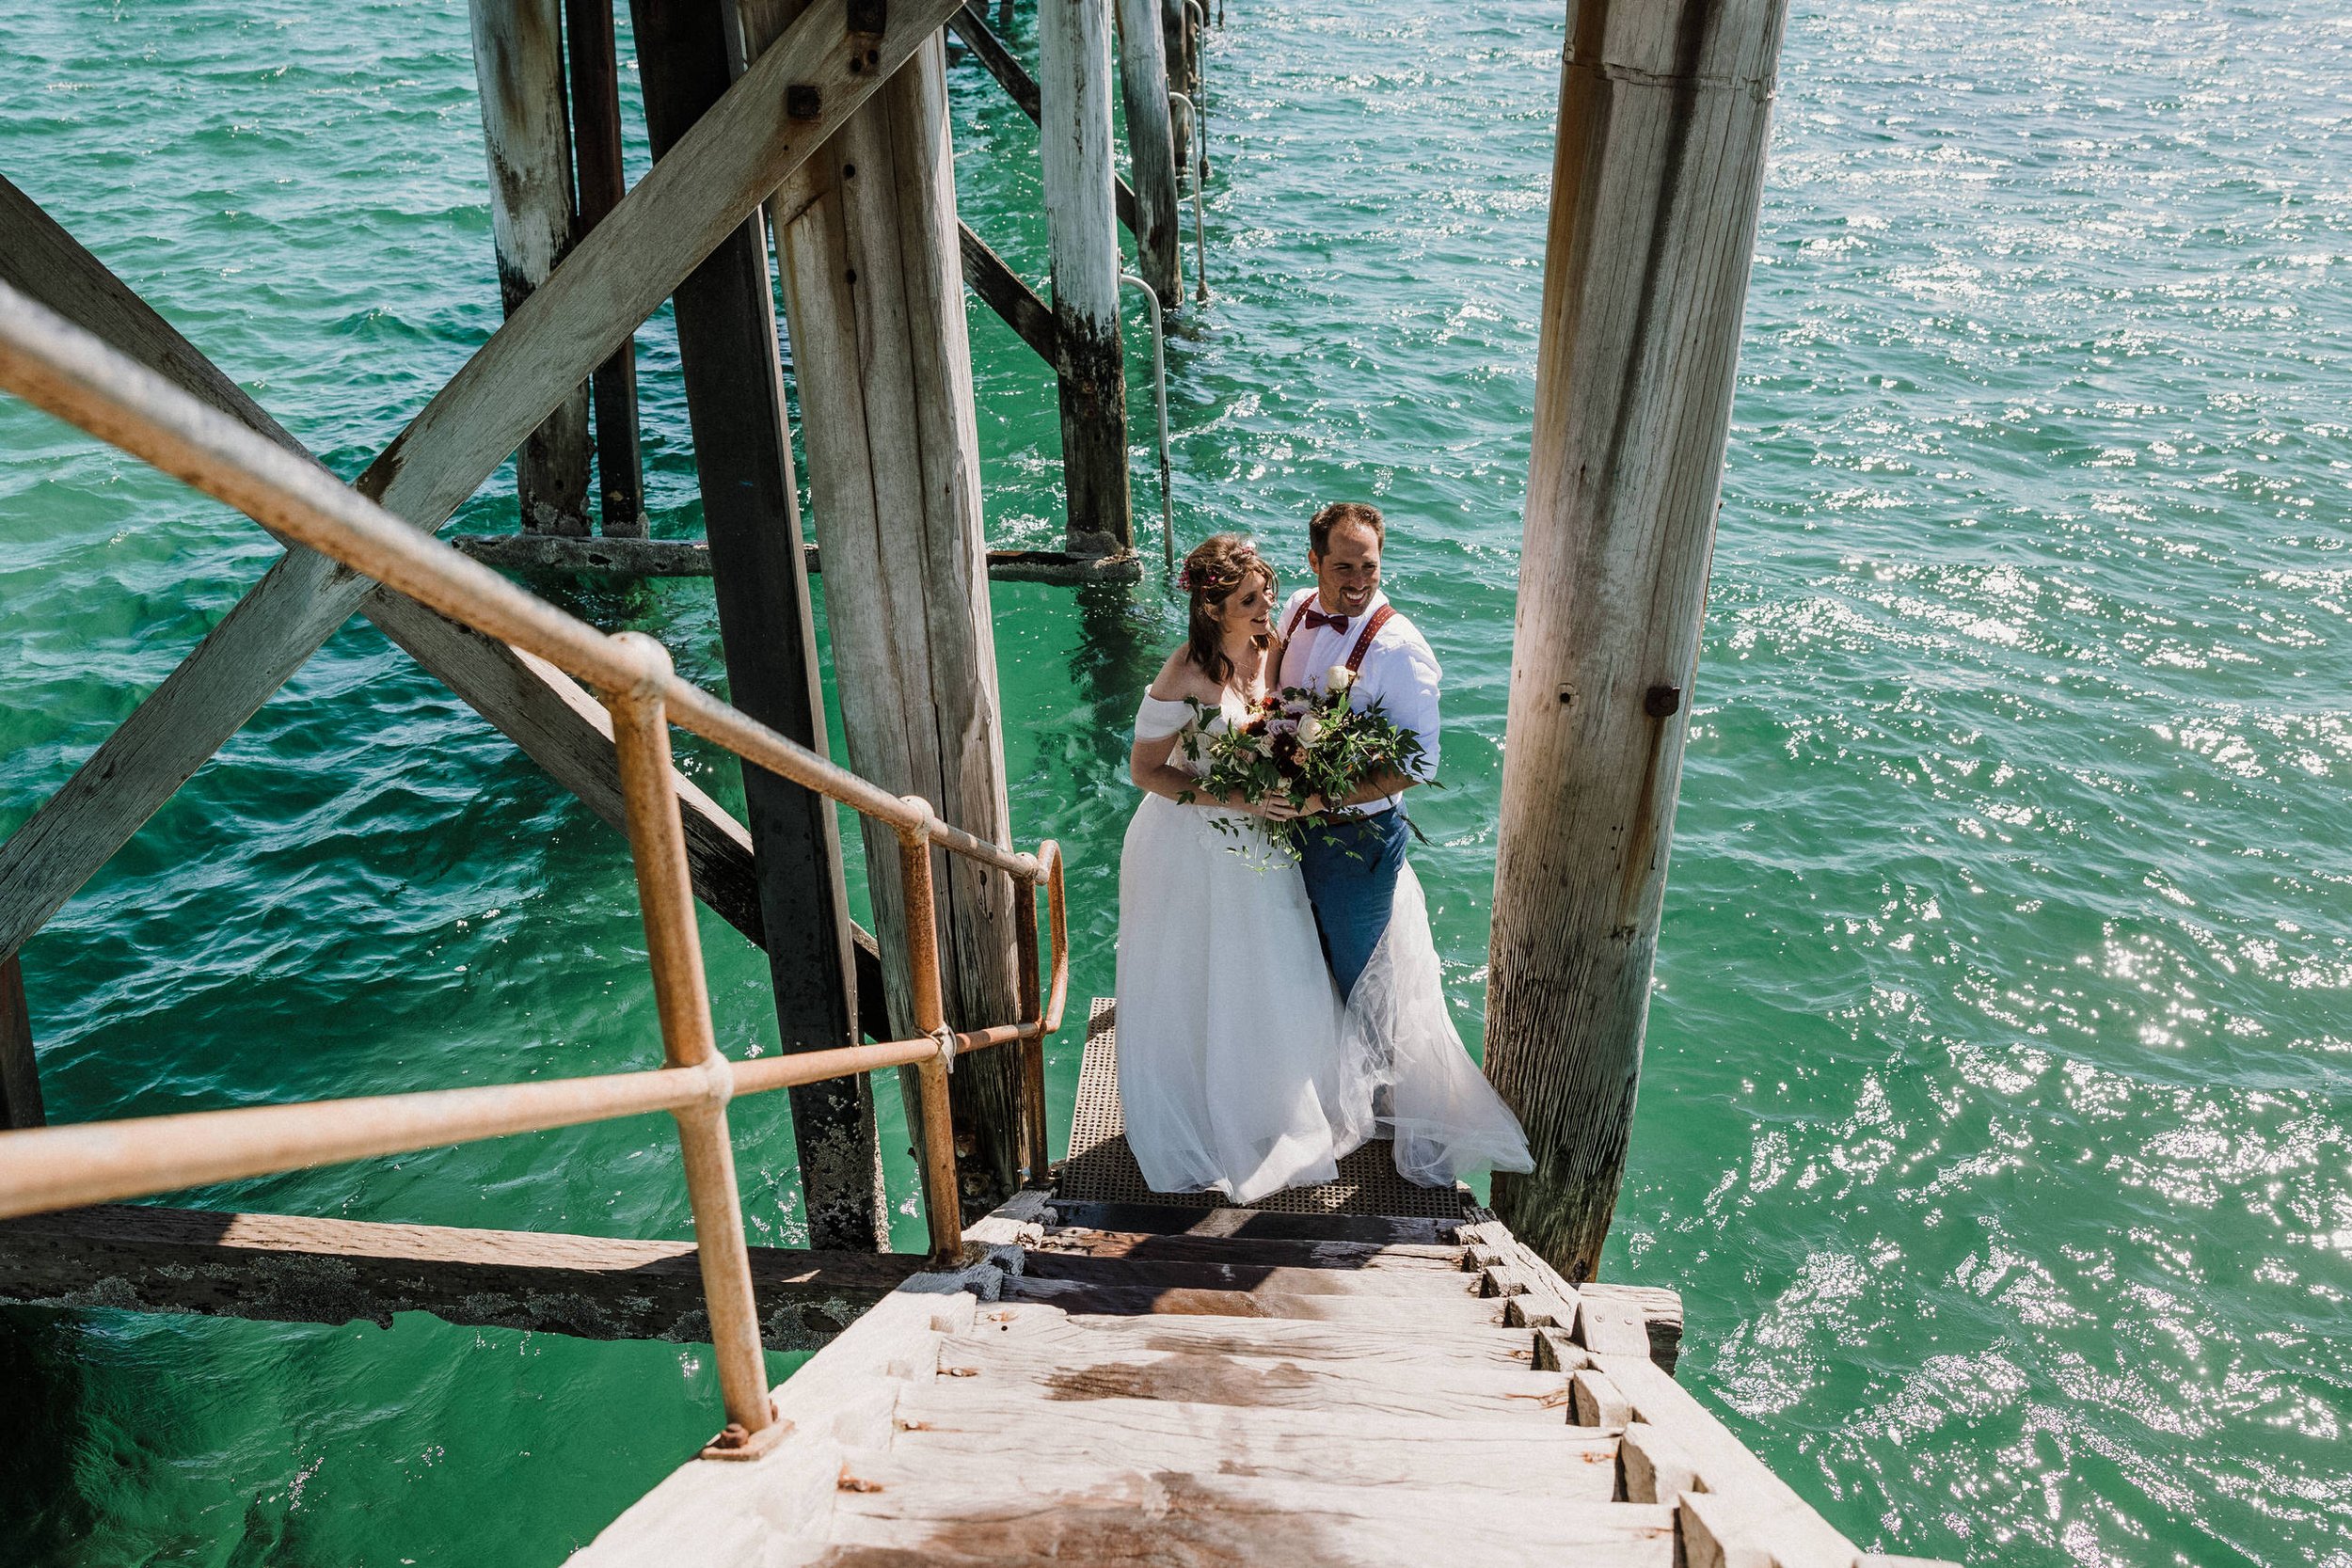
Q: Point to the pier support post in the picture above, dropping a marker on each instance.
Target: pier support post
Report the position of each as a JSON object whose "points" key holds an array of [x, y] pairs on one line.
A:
{"points": [[1074, 78], [597, 157], [19, 1074], [1151, 150], [518, 61], [869, 254], [1176, 47], [751, 515], [1665, 109]]}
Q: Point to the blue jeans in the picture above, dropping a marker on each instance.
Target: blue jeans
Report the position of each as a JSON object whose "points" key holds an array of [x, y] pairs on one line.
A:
{"points": [[1352, 884]]}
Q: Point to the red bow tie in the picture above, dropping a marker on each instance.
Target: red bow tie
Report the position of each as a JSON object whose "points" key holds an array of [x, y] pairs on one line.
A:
{"points": [[1317, 618]]}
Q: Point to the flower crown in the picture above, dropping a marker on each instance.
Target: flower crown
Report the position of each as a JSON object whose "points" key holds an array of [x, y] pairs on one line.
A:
{"points": [[1194, 579]]}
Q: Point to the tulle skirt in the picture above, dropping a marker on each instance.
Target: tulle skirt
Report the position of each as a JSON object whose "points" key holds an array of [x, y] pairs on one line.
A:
{"points": [[1239, 1069]]}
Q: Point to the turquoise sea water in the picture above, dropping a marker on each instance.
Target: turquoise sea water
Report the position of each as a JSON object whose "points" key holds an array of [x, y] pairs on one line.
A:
{"points": [[1993, 1122]]}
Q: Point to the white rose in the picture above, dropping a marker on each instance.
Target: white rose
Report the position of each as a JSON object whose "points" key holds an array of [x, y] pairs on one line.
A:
{"points": [[1309, 727], [1339, 678]]}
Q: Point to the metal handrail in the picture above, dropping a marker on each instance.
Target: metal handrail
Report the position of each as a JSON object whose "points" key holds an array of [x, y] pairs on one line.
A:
{"points": [[1159, 388], [80, 378]]}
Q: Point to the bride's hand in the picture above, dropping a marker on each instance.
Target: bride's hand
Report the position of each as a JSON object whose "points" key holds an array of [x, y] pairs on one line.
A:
{"points": [[1279, 809]]}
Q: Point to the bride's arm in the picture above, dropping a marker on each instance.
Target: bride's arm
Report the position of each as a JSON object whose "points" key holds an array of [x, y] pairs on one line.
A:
{"points": [[1150, 764]]}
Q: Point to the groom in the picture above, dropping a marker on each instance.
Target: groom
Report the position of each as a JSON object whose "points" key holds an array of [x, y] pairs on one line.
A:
{"points": [[1351, 862]]}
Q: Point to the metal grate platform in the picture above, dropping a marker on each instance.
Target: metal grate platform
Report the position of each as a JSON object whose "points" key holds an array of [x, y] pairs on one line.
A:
{"points": [[1102, 1169]]}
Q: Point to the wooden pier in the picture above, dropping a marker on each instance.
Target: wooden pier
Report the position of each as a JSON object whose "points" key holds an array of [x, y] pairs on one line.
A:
{"points": [[1183, 1382]]}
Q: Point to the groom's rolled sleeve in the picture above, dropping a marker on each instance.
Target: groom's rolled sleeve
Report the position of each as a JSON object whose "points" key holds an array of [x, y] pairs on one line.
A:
{"points": [[1414, 706]]}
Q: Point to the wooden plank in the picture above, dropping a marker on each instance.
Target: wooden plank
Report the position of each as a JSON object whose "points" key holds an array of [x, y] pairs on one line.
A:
{"points": [[1139, 1513], [1661, 1310], [691, 558], [1014, 77], [1279, 1279], [1069, 1370], [289, 1269], [1002, 291], [1611, 1327], [1090, 367], [882, 364], [610, 283], [1144, 1247], [1512, 1459], [727, 353], [1760, 1511], [1664, 115], [19, 1071], [764, 1514], [518, 66], [537, 707], [596, 102], [1476, 1347], [1434, 1314], [1151, 150], [1655, 1470], [1377, 1229]]}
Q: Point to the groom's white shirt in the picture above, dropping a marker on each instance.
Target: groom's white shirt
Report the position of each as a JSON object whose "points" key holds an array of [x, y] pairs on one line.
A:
{"points": [[1399, 672]]}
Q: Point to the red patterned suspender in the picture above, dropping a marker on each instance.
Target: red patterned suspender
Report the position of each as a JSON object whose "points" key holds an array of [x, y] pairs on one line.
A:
{"points": [[1363, 643]]}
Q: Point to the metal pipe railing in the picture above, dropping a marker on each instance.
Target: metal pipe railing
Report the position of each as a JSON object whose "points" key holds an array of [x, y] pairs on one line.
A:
{"points": [[1159, 388], [80, 378], [1200, 225]]}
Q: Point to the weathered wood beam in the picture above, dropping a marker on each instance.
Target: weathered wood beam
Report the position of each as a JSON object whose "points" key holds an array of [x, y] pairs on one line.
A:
{"points": [[1151, 151], [282, 1268], [610, 283], [751, 516], [518, 65], [1074, 63], [1178, 44], [1002, 291], [883, 363], [1664, 112], [19, 1073], [596, 165], [691, 558], [537, 707], [1003, 64]]}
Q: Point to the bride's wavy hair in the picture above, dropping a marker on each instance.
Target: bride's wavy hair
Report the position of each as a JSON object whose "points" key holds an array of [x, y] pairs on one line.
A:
{"points": [[1213, 573]]}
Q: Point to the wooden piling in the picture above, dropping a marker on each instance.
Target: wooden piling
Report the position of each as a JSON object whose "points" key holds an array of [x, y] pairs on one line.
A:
{"points": [[1151, 150], [1665, 109], [873, 288], [1073, 77], [596, 162], [751, 516], [1176, 49], [19, 1074], [518, 61]]}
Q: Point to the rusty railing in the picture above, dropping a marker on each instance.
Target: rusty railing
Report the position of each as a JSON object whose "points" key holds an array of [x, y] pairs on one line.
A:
{"points": [[78, 377]]}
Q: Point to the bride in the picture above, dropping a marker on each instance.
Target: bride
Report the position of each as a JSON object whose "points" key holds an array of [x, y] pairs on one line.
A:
{"points": [[1240, 1069]]}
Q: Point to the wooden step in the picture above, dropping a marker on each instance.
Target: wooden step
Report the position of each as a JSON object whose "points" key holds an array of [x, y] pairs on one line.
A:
{"points": [[1503, 1348], [1145, 1245], [917, 1510], [1431, 1314], [1257, 1279], [1064, 1371], [1343, 1448], [1377, 1229]]}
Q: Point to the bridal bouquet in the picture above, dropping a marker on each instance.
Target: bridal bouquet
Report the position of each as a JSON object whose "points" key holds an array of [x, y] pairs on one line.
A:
{"points": [[1299, 744]]}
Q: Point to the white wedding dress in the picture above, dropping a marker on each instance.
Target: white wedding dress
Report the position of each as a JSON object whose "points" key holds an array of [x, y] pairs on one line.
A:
{"points": [[1239, 1070]]}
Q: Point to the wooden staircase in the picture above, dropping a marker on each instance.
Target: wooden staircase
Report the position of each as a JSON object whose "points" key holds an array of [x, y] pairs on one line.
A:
{"points": [[1132, 1384]]}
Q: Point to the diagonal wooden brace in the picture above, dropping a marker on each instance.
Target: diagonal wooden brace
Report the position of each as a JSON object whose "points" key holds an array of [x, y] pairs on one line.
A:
{"points": [[702, 190]]}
